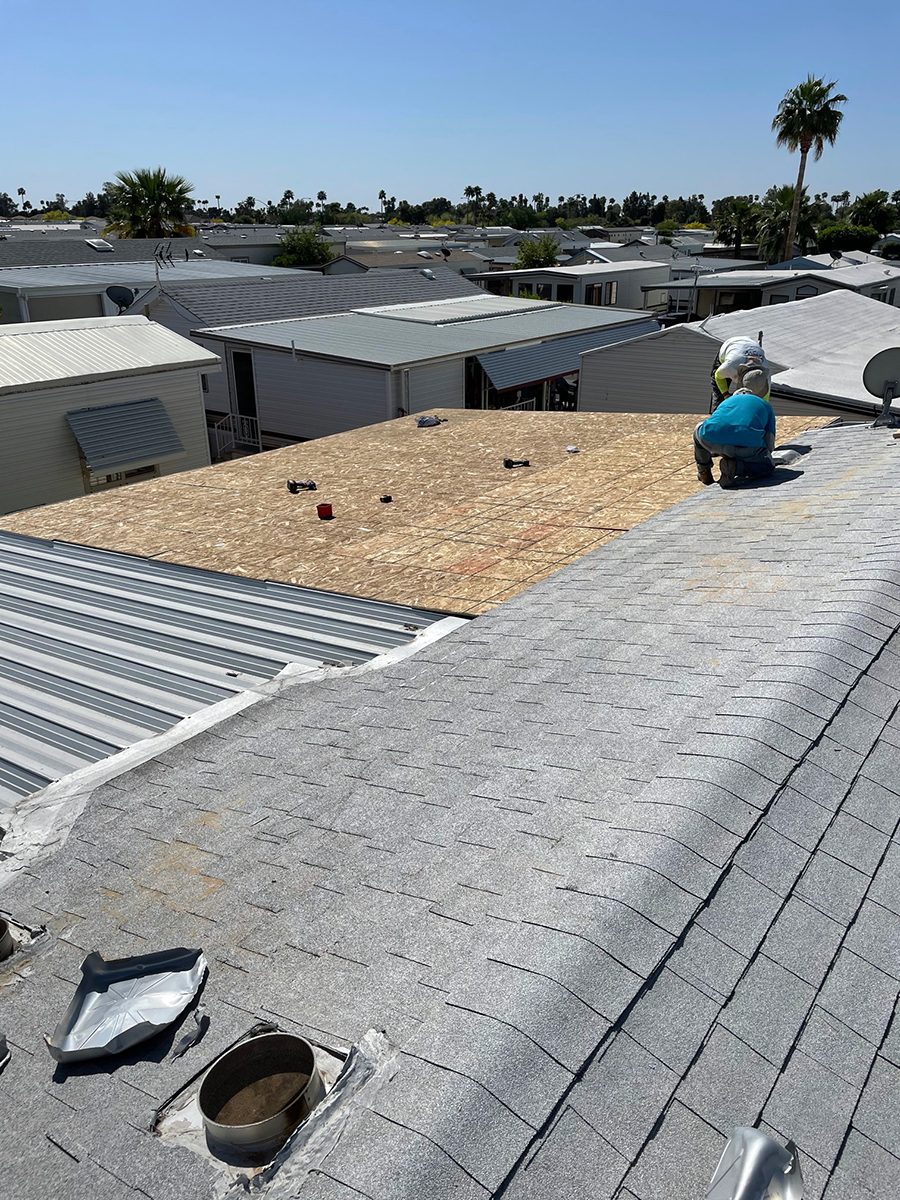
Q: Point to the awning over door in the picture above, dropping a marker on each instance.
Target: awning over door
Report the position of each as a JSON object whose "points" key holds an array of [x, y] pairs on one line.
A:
{"points": [[119, 437], [517, 367]]}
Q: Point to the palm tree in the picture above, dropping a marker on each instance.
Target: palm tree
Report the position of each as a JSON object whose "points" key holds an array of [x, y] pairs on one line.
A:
{"points": [[807, 118], [779, 212], [382, 198], [150, 203]]}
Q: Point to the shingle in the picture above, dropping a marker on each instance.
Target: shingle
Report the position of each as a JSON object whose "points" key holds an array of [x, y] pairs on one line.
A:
{"points": [[804, 940], [768, 1008], [834, 1045], [622, 1092], [741, 913], [875, 936], [671, 1020], [833, 887], [854, 842], [813, 1106], [680, 1160], [729, 1083], [572, 1162], [878, 1114], [865, 1170]]}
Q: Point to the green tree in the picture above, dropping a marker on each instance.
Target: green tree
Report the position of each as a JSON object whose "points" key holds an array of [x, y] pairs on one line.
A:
{"points": [[150, 203], [874, 208], [734, 219], [302, 248], [776, 219], [840, 236], [807, 117], [542, 251]]}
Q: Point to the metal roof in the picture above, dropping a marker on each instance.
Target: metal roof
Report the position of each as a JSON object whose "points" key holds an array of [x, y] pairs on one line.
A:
{"points": [[856, 276], [99, 650], [361, 337], [529, 364], [117, 437], [309, 294], [474, 307], [45, 252], [99, 275], [49, 353]]}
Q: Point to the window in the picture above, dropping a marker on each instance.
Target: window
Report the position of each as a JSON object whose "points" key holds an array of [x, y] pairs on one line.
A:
{"points": [[806, 290], [246, 260], [778, 298], [726, 298], [544, 291], [565, 293], [99, 483], [204, 382], [610, 291]]}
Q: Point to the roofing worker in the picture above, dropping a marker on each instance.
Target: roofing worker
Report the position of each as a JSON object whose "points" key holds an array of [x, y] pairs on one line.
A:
{"points": [[740, 431], [737, 356]]}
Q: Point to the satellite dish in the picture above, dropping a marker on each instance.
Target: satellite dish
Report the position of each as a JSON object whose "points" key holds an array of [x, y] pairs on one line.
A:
{"points": [[836, 256], [881, 378], [123, 297]]}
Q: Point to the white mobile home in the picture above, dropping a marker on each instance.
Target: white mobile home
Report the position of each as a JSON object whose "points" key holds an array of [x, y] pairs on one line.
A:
{"points": [[103, 288], [609, 285], [90, 404], [290, 380]]}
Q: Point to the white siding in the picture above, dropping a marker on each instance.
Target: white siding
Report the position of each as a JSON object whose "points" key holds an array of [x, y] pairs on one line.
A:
{"points": [[311, 398], [39, 458], [437, 385], [663, 373], [216, 397]]}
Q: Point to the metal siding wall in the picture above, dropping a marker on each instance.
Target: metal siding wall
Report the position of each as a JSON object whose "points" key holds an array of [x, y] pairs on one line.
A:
{"points": [[9, 303], [438, 385], [668, 374], [310, 398], [39, 461], [63, 308], [216, 400]]}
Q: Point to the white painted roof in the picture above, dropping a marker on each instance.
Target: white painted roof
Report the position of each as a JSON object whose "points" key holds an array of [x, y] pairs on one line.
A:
{"points": [[591, 269], [50, 353]]}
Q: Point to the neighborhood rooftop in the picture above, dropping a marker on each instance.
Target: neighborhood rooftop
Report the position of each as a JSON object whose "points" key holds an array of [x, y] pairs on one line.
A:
{"points": [[142, 273], [395, 337]]}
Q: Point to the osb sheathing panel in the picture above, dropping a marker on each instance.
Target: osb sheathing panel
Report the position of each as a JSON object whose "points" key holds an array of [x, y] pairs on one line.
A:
{"points": [[462, 534]]}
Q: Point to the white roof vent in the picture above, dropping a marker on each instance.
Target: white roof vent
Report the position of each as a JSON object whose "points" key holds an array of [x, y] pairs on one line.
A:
{"points": [[424, 254], [99, 245]]}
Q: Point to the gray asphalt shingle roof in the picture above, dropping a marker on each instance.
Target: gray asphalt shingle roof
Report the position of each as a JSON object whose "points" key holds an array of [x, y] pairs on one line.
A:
{"points": [[309, 294], [615, 867]]}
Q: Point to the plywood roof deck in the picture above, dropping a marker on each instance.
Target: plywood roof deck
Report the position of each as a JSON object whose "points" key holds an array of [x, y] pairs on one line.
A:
{"points": [[462, 534]]}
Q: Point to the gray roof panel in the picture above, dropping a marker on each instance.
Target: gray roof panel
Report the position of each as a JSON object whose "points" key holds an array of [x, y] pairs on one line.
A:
{"points": [[57, 252], [99, 650], [116, 437], [528, 364]]}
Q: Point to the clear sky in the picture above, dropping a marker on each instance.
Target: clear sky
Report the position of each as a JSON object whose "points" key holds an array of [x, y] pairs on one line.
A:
{"points": [[350, 96]]}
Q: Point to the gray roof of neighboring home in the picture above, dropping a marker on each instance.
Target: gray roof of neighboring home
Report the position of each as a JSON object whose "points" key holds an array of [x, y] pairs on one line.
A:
{"points": [[423, 256], [614, 867], [859, 275], [307, 294], [100, 274], [46, 252], [385, 340], [100, 650], [520, 365]]}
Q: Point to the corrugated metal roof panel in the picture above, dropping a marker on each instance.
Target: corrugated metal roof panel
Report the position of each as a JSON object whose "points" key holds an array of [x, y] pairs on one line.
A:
{"points": [[47, 353], [99, 650], [529, 364], [116, 437]]}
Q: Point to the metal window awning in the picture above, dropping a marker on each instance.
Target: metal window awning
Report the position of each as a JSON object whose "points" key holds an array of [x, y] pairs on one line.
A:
{"points": [[517, 367], [118, 437]]}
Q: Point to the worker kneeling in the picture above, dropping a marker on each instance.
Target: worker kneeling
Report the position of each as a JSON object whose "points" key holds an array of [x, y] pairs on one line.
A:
{"points": [[741, 432]]}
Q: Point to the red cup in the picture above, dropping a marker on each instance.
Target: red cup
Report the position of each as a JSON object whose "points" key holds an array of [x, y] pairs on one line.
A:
{"points": [[325, 512]]}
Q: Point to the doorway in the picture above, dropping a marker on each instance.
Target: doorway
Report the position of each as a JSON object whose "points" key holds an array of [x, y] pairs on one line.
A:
{"points": [[244, 384]]}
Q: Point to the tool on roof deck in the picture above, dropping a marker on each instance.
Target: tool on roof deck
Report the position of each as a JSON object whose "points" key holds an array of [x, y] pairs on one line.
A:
{"points": [[386, 499], [427, 422], [301, 485], [325, 511], [509, 463], [571, 449]]}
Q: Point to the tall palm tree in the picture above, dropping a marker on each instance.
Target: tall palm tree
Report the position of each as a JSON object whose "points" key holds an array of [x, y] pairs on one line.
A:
{"points": [[150, 203], [807, 117]]}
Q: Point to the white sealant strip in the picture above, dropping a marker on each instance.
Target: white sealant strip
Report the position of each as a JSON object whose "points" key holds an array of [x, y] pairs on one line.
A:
{"points": [[41, 823]]}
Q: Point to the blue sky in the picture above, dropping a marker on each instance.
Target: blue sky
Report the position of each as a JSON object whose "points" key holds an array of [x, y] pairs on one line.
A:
{"points": [[351, 96]]}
